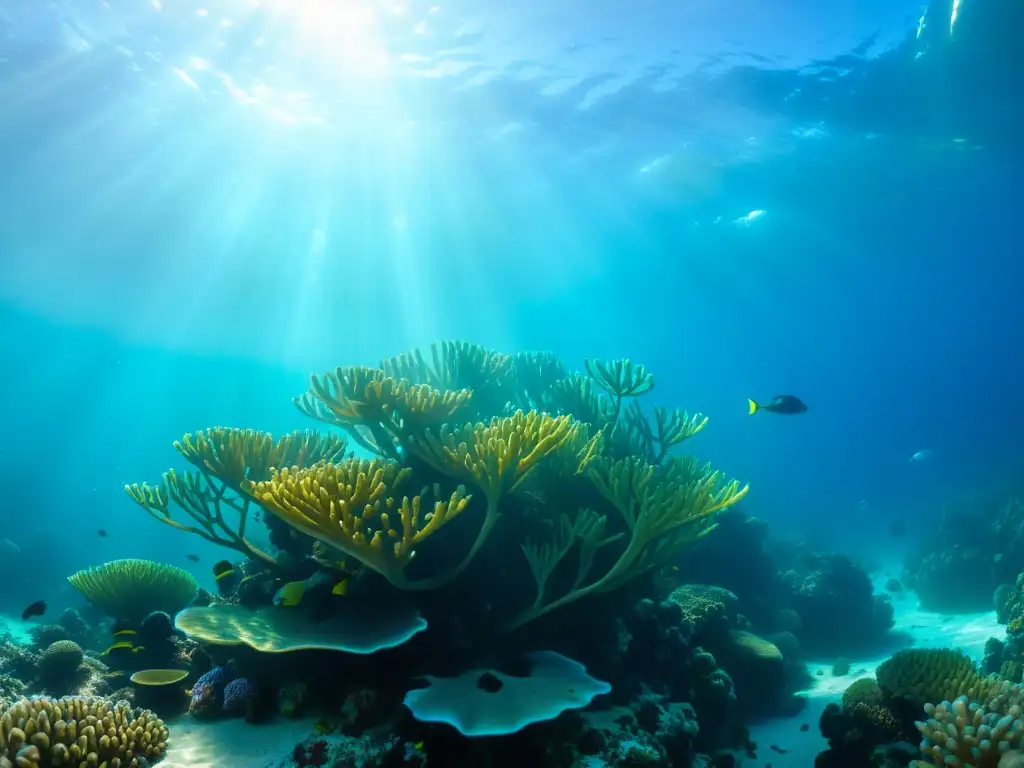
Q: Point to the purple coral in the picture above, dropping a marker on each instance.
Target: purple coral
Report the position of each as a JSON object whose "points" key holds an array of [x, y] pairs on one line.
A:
{"points": [[207, 692], [240, 697]]}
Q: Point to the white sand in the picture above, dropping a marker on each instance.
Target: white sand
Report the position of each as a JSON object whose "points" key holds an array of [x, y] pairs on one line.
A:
{"points": [[19, 629], [926, 630], [232, 743]]}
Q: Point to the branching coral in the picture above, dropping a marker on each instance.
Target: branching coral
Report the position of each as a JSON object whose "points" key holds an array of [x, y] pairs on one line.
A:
{"points": [[225, 460], [351, 507], [665, 508], [377, 410], [497, 457]]}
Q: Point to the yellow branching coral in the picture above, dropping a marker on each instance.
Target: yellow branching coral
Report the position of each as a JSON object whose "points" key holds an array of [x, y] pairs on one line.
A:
{"points": [[377, 410], [665, 509], [621, 379], [453, 365], [496, 457], [237, 455], [225, 459], [203, 503], [634, 435], [350, 506], [577, 395]]}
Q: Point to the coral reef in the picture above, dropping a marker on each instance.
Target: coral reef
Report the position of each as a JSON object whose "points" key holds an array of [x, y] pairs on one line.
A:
{"points": [[838, 609], [981, 535], [224, 460]]}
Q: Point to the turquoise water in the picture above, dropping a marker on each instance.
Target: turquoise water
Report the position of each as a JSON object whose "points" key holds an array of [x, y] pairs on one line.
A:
{"points": [[204, 203], [201, 204]]}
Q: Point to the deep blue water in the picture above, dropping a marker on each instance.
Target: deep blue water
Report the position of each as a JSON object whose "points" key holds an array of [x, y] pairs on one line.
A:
{"points": [[199, 209]]}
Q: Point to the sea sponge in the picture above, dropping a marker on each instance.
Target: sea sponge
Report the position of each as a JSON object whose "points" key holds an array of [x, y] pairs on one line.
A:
{"points": [[73, 730], [132, 589], [922, 675], [207, 693], [240, 697], [965, 733]]}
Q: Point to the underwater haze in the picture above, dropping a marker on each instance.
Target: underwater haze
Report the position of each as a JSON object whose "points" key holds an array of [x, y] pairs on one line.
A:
{"points": [[204, 202]]}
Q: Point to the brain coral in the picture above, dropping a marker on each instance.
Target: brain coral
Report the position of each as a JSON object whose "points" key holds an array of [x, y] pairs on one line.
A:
{"points": [[79, 730], [60, 660]]}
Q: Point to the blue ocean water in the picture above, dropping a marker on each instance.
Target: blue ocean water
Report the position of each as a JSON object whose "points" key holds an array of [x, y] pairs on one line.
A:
{"points": [[201, 203]]}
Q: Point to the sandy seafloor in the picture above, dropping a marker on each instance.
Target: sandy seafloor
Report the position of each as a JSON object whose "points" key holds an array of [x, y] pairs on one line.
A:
{"points": [[237, 744]]}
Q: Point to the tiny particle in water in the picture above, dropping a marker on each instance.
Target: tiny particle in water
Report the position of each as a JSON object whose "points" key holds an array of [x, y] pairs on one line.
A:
{"points": [[805, 727], [193, 558], [102, 532]]}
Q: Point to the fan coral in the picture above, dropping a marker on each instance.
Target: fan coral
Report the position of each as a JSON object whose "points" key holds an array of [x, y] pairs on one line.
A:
{"points": [[131, 589], [77, 729]]}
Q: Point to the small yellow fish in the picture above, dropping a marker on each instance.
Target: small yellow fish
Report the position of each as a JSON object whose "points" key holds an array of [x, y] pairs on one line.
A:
{"points": [[124, 645], [341, 588], [290, 594], [124, 633]]}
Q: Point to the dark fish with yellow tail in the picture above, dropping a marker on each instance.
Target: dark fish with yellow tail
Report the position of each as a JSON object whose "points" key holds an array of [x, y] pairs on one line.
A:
{"points": [[788, 405]]}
